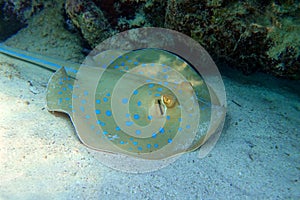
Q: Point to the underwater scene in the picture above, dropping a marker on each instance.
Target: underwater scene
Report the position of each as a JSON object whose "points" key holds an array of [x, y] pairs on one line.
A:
{"points": [[149, 99]]}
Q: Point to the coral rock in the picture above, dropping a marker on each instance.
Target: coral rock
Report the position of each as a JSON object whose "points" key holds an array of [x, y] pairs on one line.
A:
{"points": [[89, 19]]}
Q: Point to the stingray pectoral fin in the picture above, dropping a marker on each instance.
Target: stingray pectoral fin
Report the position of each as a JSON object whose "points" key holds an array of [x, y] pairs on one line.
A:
{"points": [[217, 114], [59, 92]]}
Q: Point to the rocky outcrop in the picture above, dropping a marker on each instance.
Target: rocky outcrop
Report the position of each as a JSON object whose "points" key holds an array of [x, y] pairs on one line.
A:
{"points": [[89, 19], [248, 35]]}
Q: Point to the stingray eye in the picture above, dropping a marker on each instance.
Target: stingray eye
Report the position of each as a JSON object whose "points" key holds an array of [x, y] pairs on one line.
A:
{"points": [[169, 100]]}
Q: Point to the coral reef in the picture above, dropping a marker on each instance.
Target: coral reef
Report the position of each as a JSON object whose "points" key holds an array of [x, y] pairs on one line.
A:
{"points": [[90, 19], [248, 35]]}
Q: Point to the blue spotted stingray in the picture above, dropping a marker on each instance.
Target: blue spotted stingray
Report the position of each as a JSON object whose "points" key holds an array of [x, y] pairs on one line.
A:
{"points": [[147, 103]]}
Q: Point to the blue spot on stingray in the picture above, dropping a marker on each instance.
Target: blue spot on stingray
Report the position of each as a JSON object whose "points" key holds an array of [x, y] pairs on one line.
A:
{"points": [[155, 145], [188, 126], [83, 101], [108, 113], [60, 92], [136, 116], [149, 117], [64, 89], [135, 92], [136, 63], [168, 117], [108, 94], [101, 123], [162, 130], [85, 93], [151, 85], [118, 128], [140, 148], [105, 99], [67, 98], [170, 140], [129, 123], [124, 100], [122, 64], [148, 146], [74, 96], [138, 132], [135, 143], [154, 135], [87, 117], [159, 89], [179, 129], [98, 101], [116, 67], [81, 108], [157, 95], [179, 119], [122, 142], [144, 65], [139, 103], [97, 112]]}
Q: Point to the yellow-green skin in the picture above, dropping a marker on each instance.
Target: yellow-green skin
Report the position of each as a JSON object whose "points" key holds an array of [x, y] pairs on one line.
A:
{"points": [[148, 101]]}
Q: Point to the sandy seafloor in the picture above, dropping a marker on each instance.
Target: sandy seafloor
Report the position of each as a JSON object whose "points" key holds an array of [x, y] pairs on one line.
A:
{"points": [[256, 157]]}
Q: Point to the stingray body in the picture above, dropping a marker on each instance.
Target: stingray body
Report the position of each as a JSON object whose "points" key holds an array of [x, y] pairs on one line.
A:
{"points": [[147, 103]]}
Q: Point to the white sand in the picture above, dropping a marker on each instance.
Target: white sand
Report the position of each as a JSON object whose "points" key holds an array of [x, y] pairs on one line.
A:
{"points": [[256, 157]]}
